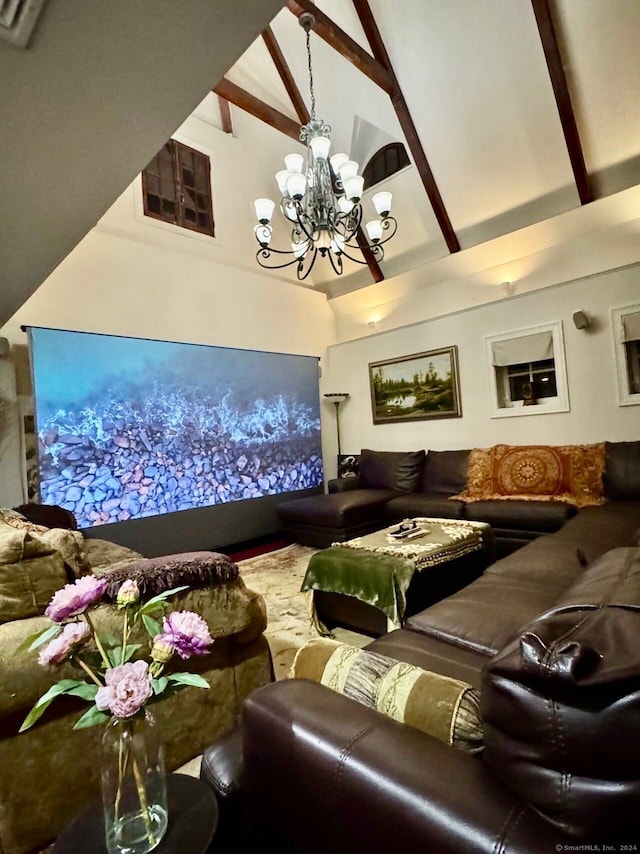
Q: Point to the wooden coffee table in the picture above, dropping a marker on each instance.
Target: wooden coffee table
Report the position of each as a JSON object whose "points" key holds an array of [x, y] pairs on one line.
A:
{"points": [[373, 583]]}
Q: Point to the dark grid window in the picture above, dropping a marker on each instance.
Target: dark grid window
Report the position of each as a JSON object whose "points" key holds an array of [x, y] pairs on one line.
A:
{"points": [[176, 188], [539, 376], [389, 160], [632, 352]]}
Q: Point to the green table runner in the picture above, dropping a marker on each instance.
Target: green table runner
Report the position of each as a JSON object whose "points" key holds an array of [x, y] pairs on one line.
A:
{"points": [[378, 570]]}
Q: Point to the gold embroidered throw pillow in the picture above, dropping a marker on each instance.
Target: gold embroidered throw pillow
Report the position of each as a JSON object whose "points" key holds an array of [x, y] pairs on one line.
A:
{"points": [[569, 473]]}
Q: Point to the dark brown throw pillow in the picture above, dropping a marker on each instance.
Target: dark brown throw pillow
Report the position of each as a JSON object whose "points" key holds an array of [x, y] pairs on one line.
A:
{"points": [[156, 574], [395, 470]]}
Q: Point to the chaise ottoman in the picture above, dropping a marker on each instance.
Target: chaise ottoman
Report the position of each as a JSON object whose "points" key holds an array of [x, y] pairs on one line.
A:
{"points": [[320, 520]]}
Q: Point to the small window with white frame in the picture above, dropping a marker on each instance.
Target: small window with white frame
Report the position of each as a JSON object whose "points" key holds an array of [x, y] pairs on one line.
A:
{"points": [[626, 331], [527, 371]]}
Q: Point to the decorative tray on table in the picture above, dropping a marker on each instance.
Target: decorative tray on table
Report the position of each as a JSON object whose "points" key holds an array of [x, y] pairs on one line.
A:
{"points": [[406, 530]]}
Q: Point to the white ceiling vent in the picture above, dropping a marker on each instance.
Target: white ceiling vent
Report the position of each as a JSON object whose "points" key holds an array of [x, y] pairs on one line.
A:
{"points": [[17, 20]]}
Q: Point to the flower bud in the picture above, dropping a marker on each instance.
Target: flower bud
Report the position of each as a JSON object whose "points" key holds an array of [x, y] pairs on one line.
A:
{"points": [[162, 649], [128, 593]]}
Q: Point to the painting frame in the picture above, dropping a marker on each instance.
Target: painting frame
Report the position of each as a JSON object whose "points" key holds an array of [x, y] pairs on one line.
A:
{"points": [[440, 399]]}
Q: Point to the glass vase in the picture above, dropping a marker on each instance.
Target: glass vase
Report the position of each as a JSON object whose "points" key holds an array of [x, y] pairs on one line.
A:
{"points": [[134, 787]]}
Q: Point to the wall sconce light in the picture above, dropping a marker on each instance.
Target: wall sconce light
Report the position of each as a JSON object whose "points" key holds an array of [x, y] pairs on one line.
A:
{"points": [[581, 319], [508, 287], [337, 398], [372, 326]]}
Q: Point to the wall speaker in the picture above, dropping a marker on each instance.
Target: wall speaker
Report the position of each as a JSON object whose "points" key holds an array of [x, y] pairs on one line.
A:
{"points": [[4, 347], [581, 319]]}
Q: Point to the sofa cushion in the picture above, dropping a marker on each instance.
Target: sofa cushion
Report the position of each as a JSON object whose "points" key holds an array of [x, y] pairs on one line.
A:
{"points": [[622, 470], [445, 472], [562, 701], [434, 505], [484, 615], [547, 516], [399, 471], [596, 530], [35, 562], [26, 587], [445, 708], [569, 473]]}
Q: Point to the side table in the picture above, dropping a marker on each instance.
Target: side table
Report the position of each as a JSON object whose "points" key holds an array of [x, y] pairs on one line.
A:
{"points": [[193, 818]]}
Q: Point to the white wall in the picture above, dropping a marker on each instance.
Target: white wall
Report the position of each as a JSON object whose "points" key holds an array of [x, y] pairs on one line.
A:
{"points": [[115, 285], [594, 411], [11, 448]]}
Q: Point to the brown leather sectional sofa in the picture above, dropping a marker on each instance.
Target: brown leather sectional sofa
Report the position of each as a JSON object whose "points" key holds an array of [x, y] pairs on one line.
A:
{"points": [[550, 636], [394, 485]]}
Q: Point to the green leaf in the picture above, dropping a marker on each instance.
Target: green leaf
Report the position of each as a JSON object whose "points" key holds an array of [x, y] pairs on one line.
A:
{"points": [[152, 626], [129, 651], [159, 684], [35, 714], [188, 679], [151, 606], [38, 638], [90, 718], [84, 690], [65, 686], [113, 654]]}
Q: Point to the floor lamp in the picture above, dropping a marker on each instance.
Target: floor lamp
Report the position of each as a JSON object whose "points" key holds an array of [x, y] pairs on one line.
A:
{"points": [[337, 398]]}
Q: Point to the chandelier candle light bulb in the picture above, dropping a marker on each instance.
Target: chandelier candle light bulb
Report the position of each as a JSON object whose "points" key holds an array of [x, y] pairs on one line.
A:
{"points": [[294, 162], [264, 210], [321, 199]]}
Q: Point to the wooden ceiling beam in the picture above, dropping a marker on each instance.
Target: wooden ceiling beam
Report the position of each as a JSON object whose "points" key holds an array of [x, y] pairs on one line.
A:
{"points": [[285, 75], [225, 114], [553, 57], [329, 32], [245, 101], [408, 127]]}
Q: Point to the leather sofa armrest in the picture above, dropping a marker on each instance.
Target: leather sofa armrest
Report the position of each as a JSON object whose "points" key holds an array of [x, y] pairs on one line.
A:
{"points": [[344, 777], [344, 484]]}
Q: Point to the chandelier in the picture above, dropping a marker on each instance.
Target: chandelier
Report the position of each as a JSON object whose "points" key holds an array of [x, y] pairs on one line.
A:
{"points": [[321, 200]]}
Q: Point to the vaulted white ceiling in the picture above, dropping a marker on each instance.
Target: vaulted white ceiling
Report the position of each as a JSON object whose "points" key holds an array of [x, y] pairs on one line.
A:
{"points": [[477, 85], [102, 86]]}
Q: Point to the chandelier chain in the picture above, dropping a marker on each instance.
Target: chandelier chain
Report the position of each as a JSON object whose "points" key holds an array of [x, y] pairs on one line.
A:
{"points": [[313, 97]]}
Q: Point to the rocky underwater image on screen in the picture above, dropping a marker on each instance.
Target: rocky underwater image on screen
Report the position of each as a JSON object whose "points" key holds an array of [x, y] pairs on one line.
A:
{"points": [[129, 428]]}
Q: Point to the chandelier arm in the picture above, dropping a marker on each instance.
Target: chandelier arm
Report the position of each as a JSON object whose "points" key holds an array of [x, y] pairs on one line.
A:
{"points": [[388, 224], [376, 250], [301, 272], [264, 254], [336, 262]]}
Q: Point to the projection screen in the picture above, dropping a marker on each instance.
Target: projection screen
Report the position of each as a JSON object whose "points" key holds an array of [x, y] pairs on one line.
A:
{"points": [[131, 427]]}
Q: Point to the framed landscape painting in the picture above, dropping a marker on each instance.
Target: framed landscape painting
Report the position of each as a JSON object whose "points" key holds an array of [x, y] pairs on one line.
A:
{"points": [[413, 388]]}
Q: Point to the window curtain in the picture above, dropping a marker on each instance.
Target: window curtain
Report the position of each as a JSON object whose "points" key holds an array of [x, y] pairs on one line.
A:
{"points": [[524, 349], [631, 327]]}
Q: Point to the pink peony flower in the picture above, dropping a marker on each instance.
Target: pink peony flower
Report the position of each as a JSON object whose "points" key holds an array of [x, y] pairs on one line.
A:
{"points": [[127, 690], [75, 598], [128, 593], [57, 650], [187, 633]]}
